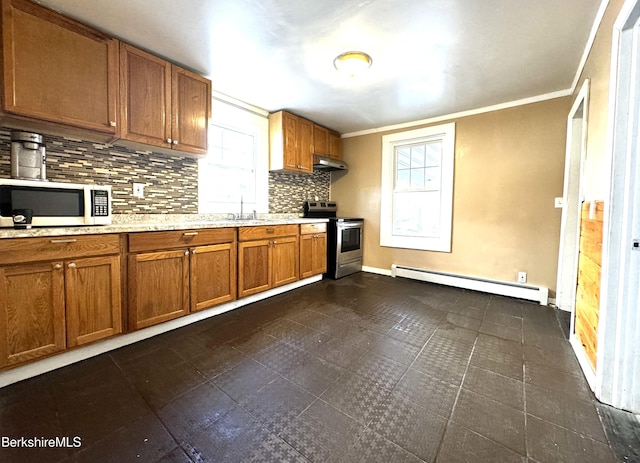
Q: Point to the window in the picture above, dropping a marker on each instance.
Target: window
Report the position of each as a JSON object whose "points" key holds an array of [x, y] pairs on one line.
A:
{"points": [[235, 168], [417, 188]]}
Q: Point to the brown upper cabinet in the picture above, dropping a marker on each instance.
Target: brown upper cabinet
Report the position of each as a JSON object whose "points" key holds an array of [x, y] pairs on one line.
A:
{"points": [[162, 104], [326, 142], [320, 140], [290, 143], [63, 78], [335, 145], [57, 72]]}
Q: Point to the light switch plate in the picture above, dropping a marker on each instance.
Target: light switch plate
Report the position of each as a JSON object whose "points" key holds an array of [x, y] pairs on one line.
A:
{"points": [[558, 203]]}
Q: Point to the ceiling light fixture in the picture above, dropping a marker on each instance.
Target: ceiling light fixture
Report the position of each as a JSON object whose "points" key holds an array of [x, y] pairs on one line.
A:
{"points": [[352, 62]]}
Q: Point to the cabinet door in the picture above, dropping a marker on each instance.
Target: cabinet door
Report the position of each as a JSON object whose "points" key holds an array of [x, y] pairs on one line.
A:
{"points": [[320, 140], [305, 147], [285, 261], [313, 254], [190, 110], [158, 287], [319, 256], [145, 97], [56, 69], [254, 267], [94, 309], [306, 256], [32, 321], [290, 135], [335, 145], [213, 275]]}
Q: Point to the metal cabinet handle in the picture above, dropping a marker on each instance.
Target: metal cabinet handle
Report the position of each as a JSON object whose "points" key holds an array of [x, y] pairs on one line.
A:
{"points": [[57, 266], [169, 140], [271, 230], [186, 253], [72, 265], [63, 241], [112, 123], [175, 142], [193, 252], [275, 242], [190, 234]]}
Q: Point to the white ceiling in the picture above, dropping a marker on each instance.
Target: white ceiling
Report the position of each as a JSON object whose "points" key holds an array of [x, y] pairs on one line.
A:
{"points": [[430, 57]]}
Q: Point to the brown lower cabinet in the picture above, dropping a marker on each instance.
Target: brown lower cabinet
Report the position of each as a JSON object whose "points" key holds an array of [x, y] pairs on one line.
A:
{"points": [[267, 258], [52, 296], [313, 249], [171, 273], [62, 292]]}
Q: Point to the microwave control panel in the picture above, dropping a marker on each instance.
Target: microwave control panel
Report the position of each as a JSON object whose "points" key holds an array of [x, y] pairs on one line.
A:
{"points": [[100, 203]]}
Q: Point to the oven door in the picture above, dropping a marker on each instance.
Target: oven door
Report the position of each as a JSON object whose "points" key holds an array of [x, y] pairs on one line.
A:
{"points": [[349, 241]]}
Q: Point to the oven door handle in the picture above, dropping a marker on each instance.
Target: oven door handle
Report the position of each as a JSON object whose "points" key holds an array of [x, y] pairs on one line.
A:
{"points": [[350, 225]]}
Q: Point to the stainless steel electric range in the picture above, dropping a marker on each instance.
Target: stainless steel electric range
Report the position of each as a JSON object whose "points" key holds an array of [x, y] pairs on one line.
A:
{"points": [[344, 238]]}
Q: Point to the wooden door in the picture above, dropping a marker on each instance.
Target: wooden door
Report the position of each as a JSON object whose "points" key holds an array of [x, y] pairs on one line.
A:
{"points": [[213, 275], [290, 135], [94, 309], [305, 145], [190, 110], [320, 140], [32, 321], [158, 287], [335, 145], [254, 267], [589, 272], [145, 97], [285, 261]]}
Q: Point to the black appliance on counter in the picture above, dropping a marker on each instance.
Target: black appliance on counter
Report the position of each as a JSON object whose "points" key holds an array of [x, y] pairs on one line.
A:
{"points": [[344, 238]]}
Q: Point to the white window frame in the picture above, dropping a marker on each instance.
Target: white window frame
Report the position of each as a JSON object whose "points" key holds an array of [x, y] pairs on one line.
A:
{"points": [[441, 243], [236, 116]]}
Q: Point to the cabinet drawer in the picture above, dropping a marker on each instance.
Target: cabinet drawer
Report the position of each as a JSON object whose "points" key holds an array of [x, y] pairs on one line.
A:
{"points": [[266, 232], [149, 241], [59, 247], [311, 228]]}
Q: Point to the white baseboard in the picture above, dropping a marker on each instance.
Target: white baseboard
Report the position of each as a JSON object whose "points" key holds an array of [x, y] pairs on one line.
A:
{"points": [[378, 271], [76, 355], [504, 288]]}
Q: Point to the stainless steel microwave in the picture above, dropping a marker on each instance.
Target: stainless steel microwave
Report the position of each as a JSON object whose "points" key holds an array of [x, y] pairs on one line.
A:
{"points": [[55, 204]]}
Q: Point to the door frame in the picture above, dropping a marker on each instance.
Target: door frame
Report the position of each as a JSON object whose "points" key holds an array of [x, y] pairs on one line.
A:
{"points": [[619, 327], [572, 197]]}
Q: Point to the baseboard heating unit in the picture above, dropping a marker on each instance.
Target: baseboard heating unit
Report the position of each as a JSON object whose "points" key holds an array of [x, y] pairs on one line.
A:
{"points": [[503, 288]]}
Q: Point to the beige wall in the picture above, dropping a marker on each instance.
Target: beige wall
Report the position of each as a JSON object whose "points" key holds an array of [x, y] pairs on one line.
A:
{"points": [[597, 69], [508, 169]]}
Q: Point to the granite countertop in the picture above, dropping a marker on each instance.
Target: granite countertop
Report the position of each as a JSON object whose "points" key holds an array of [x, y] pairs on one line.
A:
{"points": [[130, 223]]}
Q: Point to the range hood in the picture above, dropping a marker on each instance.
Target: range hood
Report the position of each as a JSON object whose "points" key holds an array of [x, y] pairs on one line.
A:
{"points": [[327, 163]]}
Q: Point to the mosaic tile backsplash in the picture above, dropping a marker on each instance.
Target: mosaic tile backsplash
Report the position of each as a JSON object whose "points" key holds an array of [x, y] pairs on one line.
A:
{"points": [[171, 182], [287, 192]]}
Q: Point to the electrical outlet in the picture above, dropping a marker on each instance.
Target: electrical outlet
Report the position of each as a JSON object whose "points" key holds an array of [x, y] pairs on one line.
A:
{"points": [[522, 277], [138, 190]]}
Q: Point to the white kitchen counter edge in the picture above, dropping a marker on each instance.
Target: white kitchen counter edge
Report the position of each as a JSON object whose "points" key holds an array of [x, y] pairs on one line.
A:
{"points": [[143, 227]]}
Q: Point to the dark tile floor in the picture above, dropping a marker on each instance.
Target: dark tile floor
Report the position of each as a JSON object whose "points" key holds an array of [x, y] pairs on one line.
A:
{"points": [[363, 369]]}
